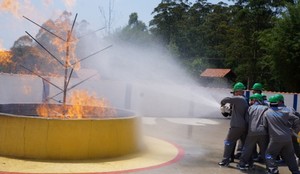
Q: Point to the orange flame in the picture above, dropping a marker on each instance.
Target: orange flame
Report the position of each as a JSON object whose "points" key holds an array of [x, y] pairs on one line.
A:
{"points": [[81, 105], [62, 27], [5, 57], [12, 6]]}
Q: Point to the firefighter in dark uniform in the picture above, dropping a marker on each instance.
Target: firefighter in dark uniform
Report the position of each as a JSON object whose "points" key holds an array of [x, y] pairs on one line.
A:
{"points": [[257, 134], [237, 122], [294, 122], [276, 121], [258, 88]]}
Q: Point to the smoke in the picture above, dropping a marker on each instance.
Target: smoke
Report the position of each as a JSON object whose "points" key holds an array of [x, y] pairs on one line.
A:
{"points": [[10, 6], [69, 4], [1, 45], [18, 8], [11, 12], [155, 82], [158, 84]]}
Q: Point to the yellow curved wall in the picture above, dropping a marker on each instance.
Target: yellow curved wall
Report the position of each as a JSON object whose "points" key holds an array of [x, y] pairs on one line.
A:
{"points": [[63, 139]]}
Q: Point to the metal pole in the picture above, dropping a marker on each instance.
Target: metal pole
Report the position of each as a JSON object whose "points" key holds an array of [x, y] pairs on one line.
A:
{"points": [[295, 103], [247, 95], [66, 71]]}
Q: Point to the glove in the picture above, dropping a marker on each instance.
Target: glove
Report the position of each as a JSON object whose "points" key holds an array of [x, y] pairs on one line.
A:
{"points": [[226, 110]]}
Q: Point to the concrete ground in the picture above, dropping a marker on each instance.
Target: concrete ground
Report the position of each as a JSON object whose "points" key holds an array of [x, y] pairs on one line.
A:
{"points": [[200, 139]]}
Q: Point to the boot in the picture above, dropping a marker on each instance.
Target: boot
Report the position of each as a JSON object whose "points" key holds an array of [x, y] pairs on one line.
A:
{"points": [[224, 162]]}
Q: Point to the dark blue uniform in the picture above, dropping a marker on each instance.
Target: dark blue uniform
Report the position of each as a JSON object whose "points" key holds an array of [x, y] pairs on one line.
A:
{"points": [[276, 121], [238, 127]]}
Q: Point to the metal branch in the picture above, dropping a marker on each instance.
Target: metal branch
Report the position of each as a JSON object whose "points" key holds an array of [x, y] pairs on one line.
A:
{"points": [[45, 49], [81, 81], [68, 81], [90, 33], [72, 87], [52, 98], [41, 77], [73, 23], [91, 55], [45, 29]]}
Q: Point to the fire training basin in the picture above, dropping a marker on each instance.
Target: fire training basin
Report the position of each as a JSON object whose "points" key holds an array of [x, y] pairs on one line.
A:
{"points": [[25, 135]]}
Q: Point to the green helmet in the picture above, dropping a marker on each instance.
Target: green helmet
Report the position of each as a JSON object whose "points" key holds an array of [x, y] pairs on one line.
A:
{"points": [[238, 86], [273, 99], [257, 86], [280, 97], [256, 96]]}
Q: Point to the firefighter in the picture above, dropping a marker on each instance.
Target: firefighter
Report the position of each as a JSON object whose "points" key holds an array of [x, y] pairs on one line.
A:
{"points": [[294, 122], [265, 99], [257, 88], [237, 128], [276, 121], [257, 133]]}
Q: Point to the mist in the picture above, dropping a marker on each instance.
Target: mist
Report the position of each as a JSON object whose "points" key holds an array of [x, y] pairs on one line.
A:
{"points": [[148, 80]]}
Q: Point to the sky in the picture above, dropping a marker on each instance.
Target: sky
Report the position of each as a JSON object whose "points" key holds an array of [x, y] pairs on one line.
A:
{"points": [[13, 25]]}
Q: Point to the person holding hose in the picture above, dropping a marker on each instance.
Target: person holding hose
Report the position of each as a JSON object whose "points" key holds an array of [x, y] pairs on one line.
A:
{"points": [[238, 127]]}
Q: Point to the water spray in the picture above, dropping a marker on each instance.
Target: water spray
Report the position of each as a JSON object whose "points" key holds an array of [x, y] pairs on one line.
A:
{"points": [[67, 65]]}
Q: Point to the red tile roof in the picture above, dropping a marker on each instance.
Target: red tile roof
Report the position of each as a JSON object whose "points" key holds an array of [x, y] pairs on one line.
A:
{"points": [[215, 72]]}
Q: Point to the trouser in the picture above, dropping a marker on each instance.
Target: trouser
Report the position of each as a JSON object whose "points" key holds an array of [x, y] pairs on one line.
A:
{"points": [[286, 150], [250, 146], [296, 146], [240, 144], [233, 135]]}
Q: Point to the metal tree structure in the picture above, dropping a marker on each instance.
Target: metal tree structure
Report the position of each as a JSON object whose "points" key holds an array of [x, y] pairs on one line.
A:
{"points": [[67, 65]]}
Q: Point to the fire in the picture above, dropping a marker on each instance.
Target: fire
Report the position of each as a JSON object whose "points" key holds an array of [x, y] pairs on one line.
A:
{"points": [[5, 57], [12, 6], [80, 105], [66, 47]]}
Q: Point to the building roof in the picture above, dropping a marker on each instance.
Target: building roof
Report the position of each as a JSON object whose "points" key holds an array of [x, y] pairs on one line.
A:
{"points": [[210, 72]]}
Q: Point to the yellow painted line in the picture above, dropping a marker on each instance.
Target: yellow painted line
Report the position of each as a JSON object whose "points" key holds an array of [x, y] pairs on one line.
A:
{"points": [[157, 153]]}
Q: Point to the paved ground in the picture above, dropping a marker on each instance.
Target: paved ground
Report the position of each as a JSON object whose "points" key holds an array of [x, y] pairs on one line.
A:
{"points": [[201, 139]]}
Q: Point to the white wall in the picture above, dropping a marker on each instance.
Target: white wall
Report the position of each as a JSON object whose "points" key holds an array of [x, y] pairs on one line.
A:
{"points": [[143, 98]]}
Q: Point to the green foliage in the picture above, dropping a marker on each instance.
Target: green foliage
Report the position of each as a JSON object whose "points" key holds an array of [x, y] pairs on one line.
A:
{"points": [[204, 35], [257, 39], [135, 32], [281, 44]]}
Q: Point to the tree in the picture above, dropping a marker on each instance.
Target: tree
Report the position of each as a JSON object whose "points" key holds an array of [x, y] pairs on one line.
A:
{"points": [[282, 47], [169, 19], [135, 32], [31, 55], [250, 18], [216, 34], [196, 33]]}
